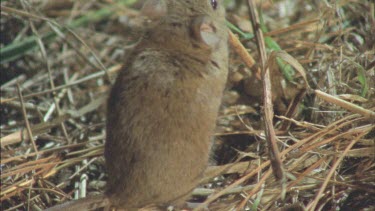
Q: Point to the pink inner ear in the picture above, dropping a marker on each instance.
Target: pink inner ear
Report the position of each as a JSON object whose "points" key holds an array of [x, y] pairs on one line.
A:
{"points": [[210, 38], [154, 9], [205, 31]]}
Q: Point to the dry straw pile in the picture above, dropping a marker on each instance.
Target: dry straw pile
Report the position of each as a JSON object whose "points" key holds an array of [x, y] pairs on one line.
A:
{"points": [[58, 58]]}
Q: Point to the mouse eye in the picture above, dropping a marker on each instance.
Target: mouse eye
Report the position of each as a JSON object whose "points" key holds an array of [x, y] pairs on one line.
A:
{"points": [[214, 4]]}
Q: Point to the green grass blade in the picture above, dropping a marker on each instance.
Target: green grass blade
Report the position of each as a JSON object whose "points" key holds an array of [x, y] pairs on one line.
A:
{"points": [[15, 50]]}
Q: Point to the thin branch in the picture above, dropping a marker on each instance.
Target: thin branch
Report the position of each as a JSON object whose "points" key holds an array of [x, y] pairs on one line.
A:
{"points": [[24, 113], [267, 93]]}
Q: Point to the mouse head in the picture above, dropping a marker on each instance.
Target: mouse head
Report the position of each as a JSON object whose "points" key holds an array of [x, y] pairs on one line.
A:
{"points": [[187, 22]]}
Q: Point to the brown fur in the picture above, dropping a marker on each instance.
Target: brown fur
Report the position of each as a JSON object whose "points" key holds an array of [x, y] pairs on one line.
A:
{"points": [[163, 107]]}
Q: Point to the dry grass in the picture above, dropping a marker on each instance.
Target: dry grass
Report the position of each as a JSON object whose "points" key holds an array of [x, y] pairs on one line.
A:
{"points": [[53, 95]]}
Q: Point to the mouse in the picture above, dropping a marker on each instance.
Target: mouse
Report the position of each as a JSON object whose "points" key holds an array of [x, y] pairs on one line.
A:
{"points": [[162, 108]]}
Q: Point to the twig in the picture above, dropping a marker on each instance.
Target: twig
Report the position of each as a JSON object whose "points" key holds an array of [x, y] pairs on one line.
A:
{"points": [[241, 50], [24, 113], [292, 27], [259, 184], [48, 67], [347, 105], [318, 196], [38, 129], [267, 93], [96, 75], [231, 186]]}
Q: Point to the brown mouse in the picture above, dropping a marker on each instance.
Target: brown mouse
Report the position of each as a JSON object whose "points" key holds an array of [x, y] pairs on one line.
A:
{"points": [[163, 106]]}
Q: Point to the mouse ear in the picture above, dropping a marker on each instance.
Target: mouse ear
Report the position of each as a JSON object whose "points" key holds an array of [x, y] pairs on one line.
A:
{"points": [[204, 31], [154, 9]]}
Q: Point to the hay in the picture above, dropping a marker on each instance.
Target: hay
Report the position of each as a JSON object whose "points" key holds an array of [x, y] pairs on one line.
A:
{"points": [[58, 59]]}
